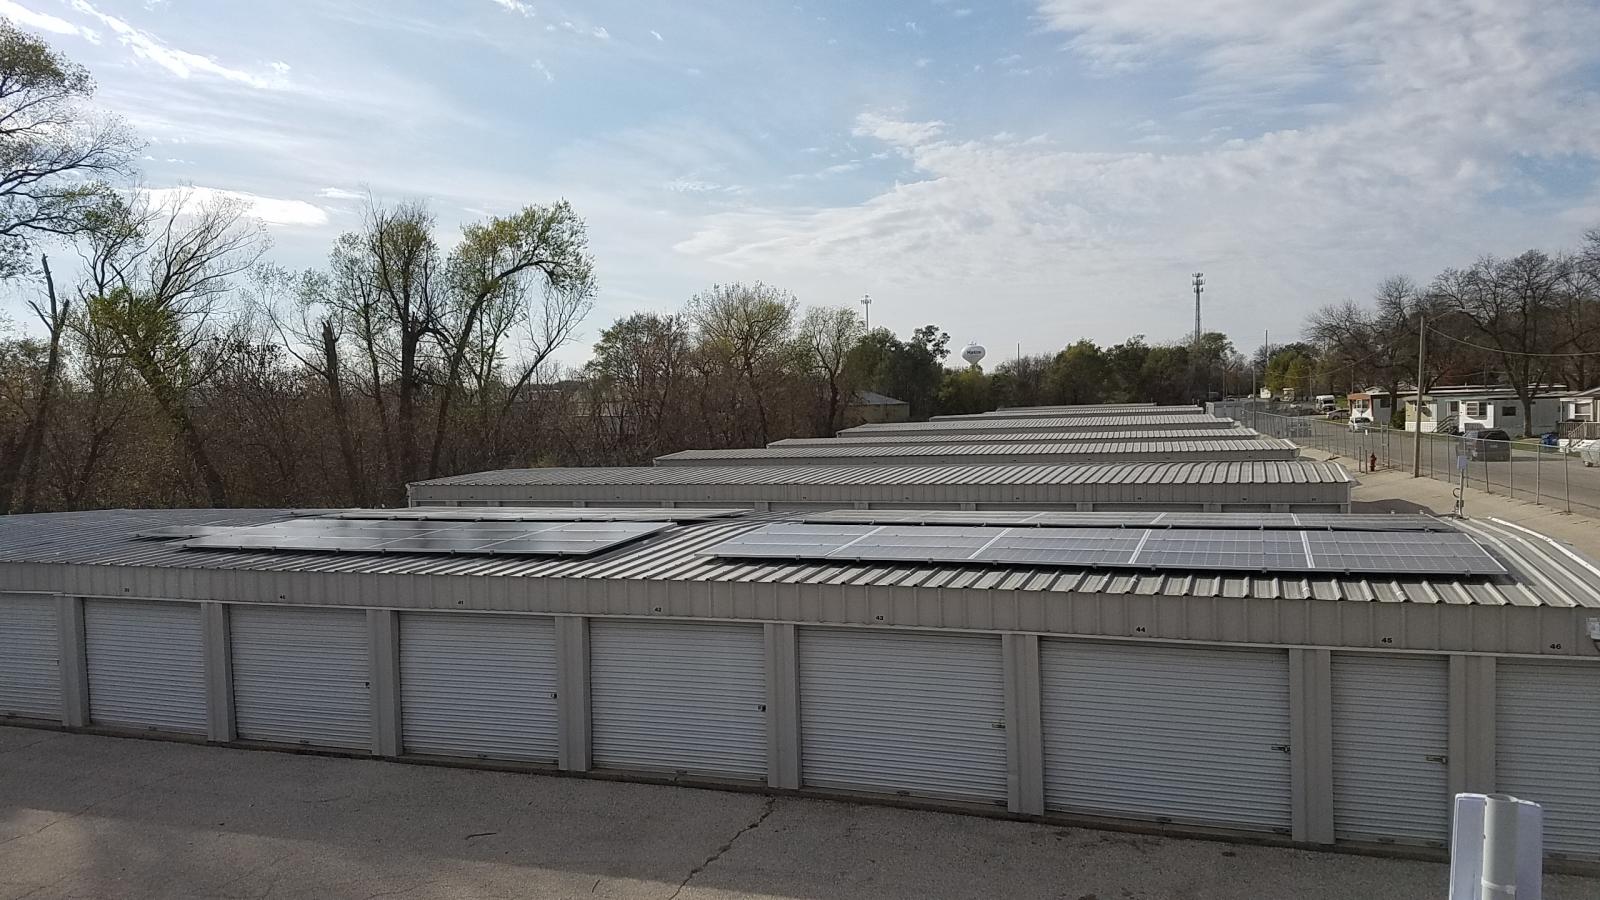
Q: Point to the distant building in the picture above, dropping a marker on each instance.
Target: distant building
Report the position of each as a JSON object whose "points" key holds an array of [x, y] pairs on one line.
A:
{"points": [[1581, 406], [871, 407], [1470, 407]]}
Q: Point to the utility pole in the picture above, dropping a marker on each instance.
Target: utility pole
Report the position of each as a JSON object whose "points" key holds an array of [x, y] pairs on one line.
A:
{"points": [[1422, 347], [866, 304]]}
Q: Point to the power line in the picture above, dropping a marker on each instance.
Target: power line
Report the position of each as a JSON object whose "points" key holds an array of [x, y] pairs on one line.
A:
{"points": [[1451, 337]]}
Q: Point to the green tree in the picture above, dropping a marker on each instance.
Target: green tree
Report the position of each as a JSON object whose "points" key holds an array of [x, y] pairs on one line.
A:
{"points": [[965, 391], [1078, 374], [1125, 365]]}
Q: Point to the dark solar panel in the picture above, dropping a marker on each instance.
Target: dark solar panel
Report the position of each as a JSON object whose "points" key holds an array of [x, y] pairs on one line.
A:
{"points": [[1400, 554], [534, 514], [424, 537]]}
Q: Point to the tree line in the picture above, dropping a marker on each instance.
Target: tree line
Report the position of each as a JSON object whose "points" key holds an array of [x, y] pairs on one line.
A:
{"points": [[1527, 321]]}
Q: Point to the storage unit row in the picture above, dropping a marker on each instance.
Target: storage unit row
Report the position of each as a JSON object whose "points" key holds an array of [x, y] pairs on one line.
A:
{"points": [[1314, 745]]}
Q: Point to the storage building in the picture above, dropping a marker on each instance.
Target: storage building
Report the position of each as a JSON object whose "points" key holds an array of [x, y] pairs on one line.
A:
{"points": [[1095, 409], [1029, 437], [1325, 680], [1066, 452], [1287, 486], [1046, 423]]}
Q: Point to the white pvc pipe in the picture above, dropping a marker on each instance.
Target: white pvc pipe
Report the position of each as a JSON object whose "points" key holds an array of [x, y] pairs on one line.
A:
{"points": [[1500, 823]]}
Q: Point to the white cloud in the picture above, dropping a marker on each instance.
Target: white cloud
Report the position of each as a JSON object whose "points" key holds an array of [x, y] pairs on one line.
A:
{"points": [[271, 210], [922, 63], [181, 63], [600, 32], [697, 186], [39, 21], [961, 12], [539, 66], [896, 131], [1408, 173], [514, 6], [333, 193], [657, 35]]}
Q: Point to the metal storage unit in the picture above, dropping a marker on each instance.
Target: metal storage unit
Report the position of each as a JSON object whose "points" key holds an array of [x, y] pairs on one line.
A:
{"points": [[915, 714], [1547, 747], [146, 664], [1016, 424], [1205, 486], [688, 698], [478, 685], [1030, 437], [1391, 739], [970, 454], [30, 670], [1197, 736], [301, 675]]}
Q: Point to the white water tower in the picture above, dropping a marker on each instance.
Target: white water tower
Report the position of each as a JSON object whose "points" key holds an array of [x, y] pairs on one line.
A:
{"points": [[973, 354]]}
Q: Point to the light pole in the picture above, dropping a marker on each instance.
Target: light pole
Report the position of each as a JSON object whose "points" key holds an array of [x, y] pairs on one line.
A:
{"points": [[866, 304]]}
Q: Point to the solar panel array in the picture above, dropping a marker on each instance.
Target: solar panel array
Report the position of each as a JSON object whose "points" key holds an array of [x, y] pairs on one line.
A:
{"points": [[537, 514], [1268, 550], [406, 536], [1248, 521]]}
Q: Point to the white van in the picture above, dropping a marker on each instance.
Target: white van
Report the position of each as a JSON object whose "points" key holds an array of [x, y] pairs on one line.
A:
{"points": [[1327, 403]]}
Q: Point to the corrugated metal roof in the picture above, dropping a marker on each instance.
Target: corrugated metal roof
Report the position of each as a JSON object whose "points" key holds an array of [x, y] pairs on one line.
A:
{"points": [[1270, 472], [1256, 448], [1026, 437], [1121, 409], [1046, 423], [1542, 572]]}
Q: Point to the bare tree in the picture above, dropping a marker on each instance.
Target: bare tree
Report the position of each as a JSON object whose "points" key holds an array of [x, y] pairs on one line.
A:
{"points": [[749, 328], [55, 155], [541, 251], [828, 334], [157, 279]]}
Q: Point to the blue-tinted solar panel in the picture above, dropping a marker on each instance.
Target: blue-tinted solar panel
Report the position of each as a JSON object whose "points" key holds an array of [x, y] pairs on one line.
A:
{"points": [[1270, 550]]}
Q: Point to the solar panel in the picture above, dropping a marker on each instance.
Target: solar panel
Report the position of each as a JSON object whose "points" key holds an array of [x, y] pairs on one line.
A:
{"points": [[424, 537], [1240, 520], [174, 532], [1261, 549], [1219, 549], [533, 514], [1402, 554]]}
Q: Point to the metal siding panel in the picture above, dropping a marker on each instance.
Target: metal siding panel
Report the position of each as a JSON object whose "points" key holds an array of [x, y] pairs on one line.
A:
{"points": [[478, 686], [1169, 734], [300, 675], [1390, 715], [919, 714], [686, 698], [1547, 747], [30, 668], [146, 664]]}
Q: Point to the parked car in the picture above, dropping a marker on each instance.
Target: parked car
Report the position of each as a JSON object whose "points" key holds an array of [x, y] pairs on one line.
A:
{"points": [[1360, 422], [1339, 414], [1492, 445]]}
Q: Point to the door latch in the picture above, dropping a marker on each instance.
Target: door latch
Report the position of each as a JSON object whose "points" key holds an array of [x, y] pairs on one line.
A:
{"points": [[1281, 748], [1441, 760]]}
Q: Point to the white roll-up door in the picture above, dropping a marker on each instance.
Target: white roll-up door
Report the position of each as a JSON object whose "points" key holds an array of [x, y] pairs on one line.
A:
{"points": [[918, 714], [300, 675], [1184, 735], [30, 668], [1547, 747], [1391, 734], [679, 697], [477, 685], [146, 662]]}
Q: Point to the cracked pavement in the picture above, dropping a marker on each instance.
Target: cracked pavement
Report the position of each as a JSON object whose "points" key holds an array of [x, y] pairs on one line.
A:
{"points": [[109, 818]]}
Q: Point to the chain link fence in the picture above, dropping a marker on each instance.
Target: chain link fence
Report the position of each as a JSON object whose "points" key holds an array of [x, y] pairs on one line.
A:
{"points": [[1522, 470]]}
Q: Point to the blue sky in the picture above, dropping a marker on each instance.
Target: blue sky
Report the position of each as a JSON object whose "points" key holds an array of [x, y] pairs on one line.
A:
{"points": [[1017, 172]]}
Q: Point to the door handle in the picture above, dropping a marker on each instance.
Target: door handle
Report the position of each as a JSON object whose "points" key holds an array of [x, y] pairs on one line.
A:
{"points": [[1437, 759], [1281, 748]]}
